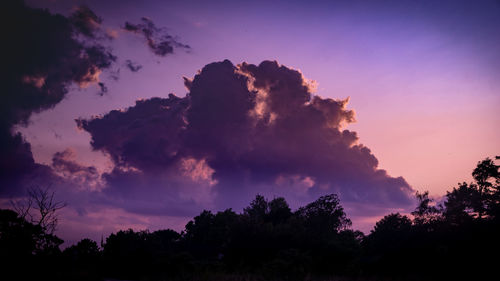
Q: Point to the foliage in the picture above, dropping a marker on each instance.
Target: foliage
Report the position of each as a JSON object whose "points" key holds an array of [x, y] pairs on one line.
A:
{"points": [[269, 241], [25, 245]]}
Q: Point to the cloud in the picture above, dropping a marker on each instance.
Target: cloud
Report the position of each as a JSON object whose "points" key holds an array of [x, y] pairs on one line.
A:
{"points": [[65, 165], [43, 54], [18, 169], [146, 136], [240, 130], [85, 21], [134, 67], [158, 40], [150, 174]]}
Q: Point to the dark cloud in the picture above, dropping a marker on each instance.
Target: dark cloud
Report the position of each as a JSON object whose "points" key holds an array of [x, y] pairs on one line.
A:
{"points": [[65, 165], [150, 173], [103, 89], [134, 67], [86, 21], [240, 130], [145, 136], [158, 40], [43, 54], [17, 167]]}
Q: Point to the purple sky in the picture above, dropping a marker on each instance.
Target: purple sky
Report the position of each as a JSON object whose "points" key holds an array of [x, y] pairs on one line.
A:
{"points": [[422, 78]]}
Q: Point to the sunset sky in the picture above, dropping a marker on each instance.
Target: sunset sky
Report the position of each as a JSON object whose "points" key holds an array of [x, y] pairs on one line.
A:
{"points": [[373, 100]]}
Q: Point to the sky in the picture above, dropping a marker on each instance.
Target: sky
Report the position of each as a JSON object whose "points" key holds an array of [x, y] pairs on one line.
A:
{"points": [[372, 100]]}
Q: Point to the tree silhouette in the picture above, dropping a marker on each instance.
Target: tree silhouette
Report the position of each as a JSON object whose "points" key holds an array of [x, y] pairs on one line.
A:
{"points": [[86, 250], [426, 214], [40, 208], [391, 228], [26, 251], [475, 200], [279, 211], [462, 203], [269, 241], [258, 208], [207, 235], [487, 177], [325, 215]]}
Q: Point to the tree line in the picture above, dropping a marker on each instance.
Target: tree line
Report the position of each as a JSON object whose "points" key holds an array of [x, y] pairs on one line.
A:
{"points": [[455, 239]]}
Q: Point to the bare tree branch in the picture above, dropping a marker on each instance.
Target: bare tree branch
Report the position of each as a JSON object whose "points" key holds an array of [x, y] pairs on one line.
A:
{"points": [[39, 208]]}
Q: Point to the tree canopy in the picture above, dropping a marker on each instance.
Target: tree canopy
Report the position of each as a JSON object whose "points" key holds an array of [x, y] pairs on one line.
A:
{"points": [[270, 241]]}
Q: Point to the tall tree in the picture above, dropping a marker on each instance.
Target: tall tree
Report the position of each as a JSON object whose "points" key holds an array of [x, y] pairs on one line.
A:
{"points": [[325, 215], [477, 199], [426, 214], [487, 177]]}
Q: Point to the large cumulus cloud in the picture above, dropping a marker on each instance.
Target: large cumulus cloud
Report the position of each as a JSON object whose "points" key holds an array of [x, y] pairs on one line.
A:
{"points": [[239, 131], [42, 55]]}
